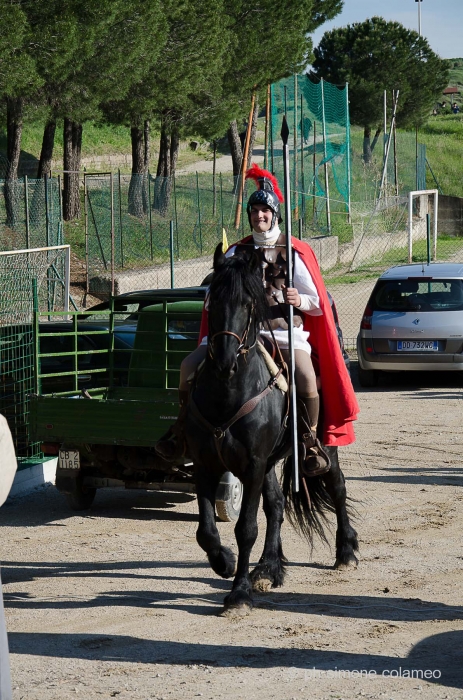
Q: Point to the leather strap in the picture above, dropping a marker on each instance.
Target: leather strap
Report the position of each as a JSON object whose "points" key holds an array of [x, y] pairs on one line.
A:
{"points": [[219, 431]]}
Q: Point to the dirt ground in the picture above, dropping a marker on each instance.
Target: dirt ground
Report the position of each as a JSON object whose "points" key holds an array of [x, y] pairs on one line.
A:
{"points": [[120, 602]]}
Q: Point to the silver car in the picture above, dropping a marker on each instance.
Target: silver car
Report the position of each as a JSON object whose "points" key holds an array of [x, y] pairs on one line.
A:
{"points": [[413, 322]]}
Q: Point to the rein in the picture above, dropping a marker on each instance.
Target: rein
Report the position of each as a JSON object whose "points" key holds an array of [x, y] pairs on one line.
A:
{"points": [[242, 348], [219, 431]]}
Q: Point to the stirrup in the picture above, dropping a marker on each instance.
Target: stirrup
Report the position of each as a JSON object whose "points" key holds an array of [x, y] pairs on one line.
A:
{"points": [[313, 459]]}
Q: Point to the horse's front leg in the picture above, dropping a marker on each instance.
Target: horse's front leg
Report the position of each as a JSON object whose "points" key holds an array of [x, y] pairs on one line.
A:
{"points": [[346, 536], [239, 600], [270, 571], [221, 559]]}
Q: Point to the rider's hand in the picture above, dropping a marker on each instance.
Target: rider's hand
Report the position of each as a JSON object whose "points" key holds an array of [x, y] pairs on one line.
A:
{"points": [[291, 296]]}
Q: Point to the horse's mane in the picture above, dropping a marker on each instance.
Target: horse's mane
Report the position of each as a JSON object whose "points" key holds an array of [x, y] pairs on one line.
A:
{"points": [[236, 278]]}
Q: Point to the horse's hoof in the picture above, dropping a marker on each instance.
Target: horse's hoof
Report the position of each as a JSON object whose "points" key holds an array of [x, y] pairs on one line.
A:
{"points": [[236, 611], [351, 563], [225, 563], [262, 585]]}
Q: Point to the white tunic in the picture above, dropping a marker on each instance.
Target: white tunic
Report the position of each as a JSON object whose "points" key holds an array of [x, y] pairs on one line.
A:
{"points": [[310, 304]]}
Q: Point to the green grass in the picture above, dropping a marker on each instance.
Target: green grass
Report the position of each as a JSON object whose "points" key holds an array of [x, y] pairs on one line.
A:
{"points": [[97, 139], [447, 247], [443, 137]]}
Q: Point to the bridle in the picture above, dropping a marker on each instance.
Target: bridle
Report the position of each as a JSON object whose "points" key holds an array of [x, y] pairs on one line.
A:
{"points": [[242, 349]]}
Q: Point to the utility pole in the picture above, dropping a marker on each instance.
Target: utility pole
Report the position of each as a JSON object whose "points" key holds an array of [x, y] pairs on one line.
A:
{"points": [[419, 15], [416, 128]]}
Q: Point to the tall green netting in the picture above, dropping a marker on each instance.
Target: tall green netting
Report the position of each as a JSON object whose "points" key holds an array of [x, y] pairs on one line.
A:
{"points": [[318, 119]]}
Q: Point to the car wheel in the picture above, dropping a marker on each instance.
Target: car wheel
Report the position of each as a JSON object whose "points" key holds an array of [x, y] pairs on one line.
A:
{"points": [[368, 377], [81, 498], [228, 500]]}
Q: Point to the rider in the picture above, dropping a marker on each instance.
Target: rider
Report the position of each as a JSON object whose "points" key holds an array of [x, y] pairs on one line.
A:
{"points": [[314, 330]]}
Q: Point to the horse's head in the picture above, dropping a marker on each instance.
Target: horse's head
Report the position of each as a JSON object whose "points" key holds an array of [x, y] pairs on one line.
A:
{"points": [[237, 305]]}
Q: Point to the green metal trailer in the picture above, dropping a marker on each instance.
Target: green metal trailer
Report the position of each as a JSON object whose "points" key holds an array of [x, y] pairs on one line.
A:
{"points": [[104, 435]]}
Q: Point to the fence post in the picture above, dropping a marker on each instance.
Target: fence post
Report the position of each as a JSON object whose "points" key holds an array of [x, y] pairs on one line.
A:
{"points": [[302, 160], [267, 124], [214, 193], [325, 165], [60, 199], [176, 218], [120, 215], [26, 203], [35, 309], [271, 133], [67, 277], [349, 174], [199, 215], [428, 237], [150, 216], [221, 200], [111, 181], [295, 181], [87, 277], [47, 216], [314, 168], [171, 254]]}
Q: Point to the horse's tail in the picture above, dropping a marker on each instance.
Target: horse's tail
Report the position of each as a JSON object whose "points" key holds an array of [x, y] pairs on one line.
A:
{"points": [[307, 509]]}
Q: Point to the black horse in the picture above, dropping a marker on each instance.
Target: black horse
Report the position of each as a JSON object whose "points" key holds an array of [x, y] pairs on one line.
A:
{"points": [[236, 422]]}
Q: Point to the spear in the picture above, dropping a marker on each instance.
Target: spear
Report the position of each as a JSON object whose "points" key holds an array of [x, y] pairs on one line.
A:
{"points": [[289, 283]]}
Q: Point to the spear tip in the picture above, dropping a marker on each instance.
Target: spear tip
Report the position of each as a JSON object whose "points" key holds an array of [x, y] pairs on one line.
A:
{"points": [[284, 131]]}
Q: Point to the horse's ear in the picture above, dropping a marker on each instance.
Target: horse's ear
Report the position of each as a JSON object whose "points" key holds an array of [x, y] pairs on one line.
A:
{"points": [[219, 257]]}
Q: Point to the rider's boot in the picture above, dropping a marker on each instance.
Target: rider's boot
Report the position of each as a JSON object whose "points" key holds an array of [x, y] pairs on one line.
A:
{"points": [[171, 446], [313, 459]]}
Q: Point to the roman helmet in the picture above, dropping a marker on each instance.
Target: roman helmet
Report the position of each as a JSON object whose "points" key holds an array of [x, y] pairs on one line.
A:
{"points": [[267, 192]]}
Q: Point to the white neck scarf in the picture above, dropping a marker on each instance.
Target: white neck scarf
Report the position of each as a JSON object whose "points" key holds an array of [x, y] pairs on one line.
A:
{"points": [[263, 238]]}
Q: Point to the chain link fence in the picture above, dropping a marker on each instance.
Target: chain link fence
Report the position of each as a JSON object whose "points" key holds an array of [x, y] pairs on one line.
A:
{"points": [[146, 232], [30, 213], [29, 279]]}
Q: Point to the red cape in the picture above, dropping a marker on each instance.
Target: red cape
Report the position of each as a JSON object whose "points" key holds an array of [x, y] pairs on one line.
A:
{"points": [[340, 405]]}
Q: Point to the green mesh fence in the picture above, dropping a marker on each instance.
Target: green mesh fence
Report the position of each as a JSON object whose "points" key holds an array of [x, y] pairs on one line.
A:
{"points": [[20, 274], [30, 213], [138, 224]]}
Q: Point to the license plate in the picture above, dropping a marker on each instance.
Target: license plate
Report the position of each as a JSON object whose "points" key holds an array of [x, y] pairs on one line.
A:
{"points": [[417, 345], [69, 459]]}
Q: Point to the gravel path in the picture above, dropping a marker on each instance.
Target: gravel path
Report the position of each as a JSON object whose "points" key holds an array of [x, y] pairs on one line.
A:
{"points": [[120, 602]]}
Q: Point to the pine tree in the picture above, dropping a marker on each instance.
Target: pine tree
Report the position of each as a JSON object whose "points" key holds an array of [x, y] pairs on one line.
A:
{"points": [[374, 56], [18, 77]]}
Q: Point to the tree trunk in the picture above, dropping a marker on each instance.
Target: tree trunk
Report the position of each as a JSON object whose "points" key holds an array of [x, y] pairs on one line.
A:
{"points": [[14, 122], [147, 144], [138, 168], [146, 165], [167, 162], [46, 154], [72, 141], [366, 145], [375, 140], [255, 114], [235, 149]]}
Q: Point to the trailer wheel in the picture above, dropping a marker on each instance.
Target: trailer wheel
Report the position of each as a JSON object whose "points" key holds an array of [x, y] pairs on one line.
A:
{"points": [[228, 499], [81, 498]]}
